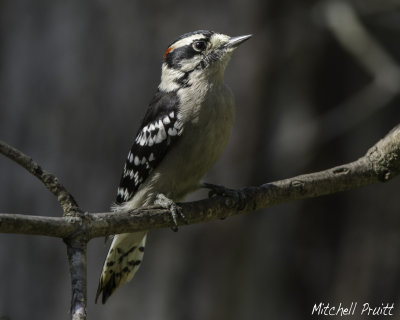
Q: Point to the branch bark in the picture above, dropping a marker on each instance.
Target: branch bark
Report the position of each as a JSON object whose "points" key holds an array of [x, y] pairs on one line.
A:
{"points": [[72, 216], [76, 251], [380, 164]]}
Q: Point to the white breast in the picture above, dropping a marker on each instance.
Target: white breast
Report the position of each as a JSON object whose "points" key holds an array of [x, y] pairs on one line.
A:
{"points": [[207, 128]]}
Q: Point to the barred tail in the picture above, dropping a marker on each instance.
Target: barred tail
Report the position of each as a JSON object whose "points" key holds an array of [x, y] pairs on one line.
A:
{"points": [[122, 262]]}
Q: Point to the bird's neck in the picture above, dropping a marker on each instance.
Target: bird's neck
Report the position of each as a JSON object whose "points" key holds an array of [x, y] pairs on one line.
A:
{"points": [[175, 79]]}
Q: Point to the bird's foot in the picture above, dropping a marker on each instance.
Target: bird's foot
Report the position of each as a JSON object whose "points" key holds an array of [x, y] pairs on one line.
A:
{"points": [[217, 190], [174, 210]]}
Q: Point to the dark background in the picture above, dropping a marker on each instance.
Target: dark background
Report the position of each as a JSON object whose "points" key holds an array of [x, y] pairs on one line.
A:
{"points": [[315, 87]]}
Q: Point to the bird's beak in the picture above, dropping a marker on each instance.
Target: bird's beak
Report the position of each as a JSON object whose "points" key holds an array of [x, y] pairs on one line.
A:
{"points": [[234, 42]]}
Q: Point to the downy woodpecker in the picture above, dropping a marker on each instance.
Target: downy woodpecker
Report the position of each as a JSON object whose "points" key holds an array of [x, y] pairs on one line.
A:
{"points": [[185, 129]]}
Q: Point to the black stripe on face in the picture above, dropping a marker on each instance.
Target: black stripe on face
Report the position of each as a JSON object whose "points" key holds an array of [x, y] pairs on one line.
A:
{"points": [[184, 80], [174, 58]]}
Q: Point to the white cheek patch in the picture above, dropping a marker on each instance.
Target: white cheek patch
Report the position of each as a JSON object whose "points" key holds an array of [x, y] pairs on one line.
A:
{"points": [[190, 64], [168, 76]]}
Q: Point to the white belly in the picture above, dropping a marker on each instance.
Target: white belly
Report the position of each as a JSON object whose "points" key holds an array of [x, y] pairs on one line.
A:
{"points": [[203, 140]]}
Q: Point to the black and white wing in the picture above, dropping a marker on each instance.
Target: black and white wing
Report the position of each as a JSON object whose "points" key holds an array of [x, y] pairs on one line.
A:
{"points": [[160, 129]]}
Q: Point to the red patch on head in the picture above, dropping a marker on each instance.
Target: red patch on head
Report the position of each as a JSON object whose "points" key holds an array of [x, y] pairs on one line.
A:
{"points": [[168, 51]]}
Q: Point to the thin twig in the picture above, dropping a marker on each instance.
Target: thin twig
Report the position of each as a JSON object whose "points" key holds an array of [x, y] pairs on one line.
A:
{"points": [[65, 199], [56, 227]]}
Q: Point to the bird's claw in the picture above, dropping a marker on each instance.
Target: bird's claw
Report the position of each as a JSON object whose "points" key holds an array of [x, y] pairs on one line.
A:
{"points": [[174, 210]]}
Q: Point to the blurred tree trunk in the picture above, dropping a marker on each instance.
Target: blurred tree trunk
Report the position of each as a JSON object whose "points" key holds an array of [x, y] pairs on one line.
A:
{"points": [[78, 76]]}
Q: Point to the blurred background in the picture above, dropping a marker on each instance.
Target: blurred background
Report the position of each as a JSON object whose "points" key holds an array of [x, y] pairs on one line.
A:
{"points": [[315, 87]]}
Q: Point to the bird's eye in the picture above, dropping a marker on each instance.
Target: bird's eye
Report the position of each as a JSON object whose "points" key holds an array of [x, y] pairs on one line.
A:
{"points": [[199, 45]]}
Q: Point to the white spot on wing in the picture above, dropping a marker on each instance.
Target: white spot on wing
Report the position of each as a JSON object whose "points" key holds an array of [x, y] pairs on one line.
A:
{"points": [[161, 134], [120, 192], [123, 193], [130, 157], [166, 120], [172, 132], [136, 176], [142, 140], [150, 141]]}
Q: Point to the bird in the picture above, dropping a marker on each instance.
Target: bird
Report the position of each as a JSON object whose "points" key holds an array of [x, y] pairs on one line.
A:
{"points": [[185, 129]]}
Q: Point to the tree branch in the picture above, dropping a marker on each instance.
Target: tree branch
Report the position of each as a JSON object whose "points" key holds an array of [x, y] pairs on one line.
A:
{"points": [[380, 163], [60, 227], [76, 251], [55, 227]]}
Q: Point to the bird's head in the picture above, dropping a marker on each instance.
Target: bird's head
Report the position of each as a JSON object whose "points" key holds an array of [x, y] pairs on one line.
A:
{"points": [[198, 55]]}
